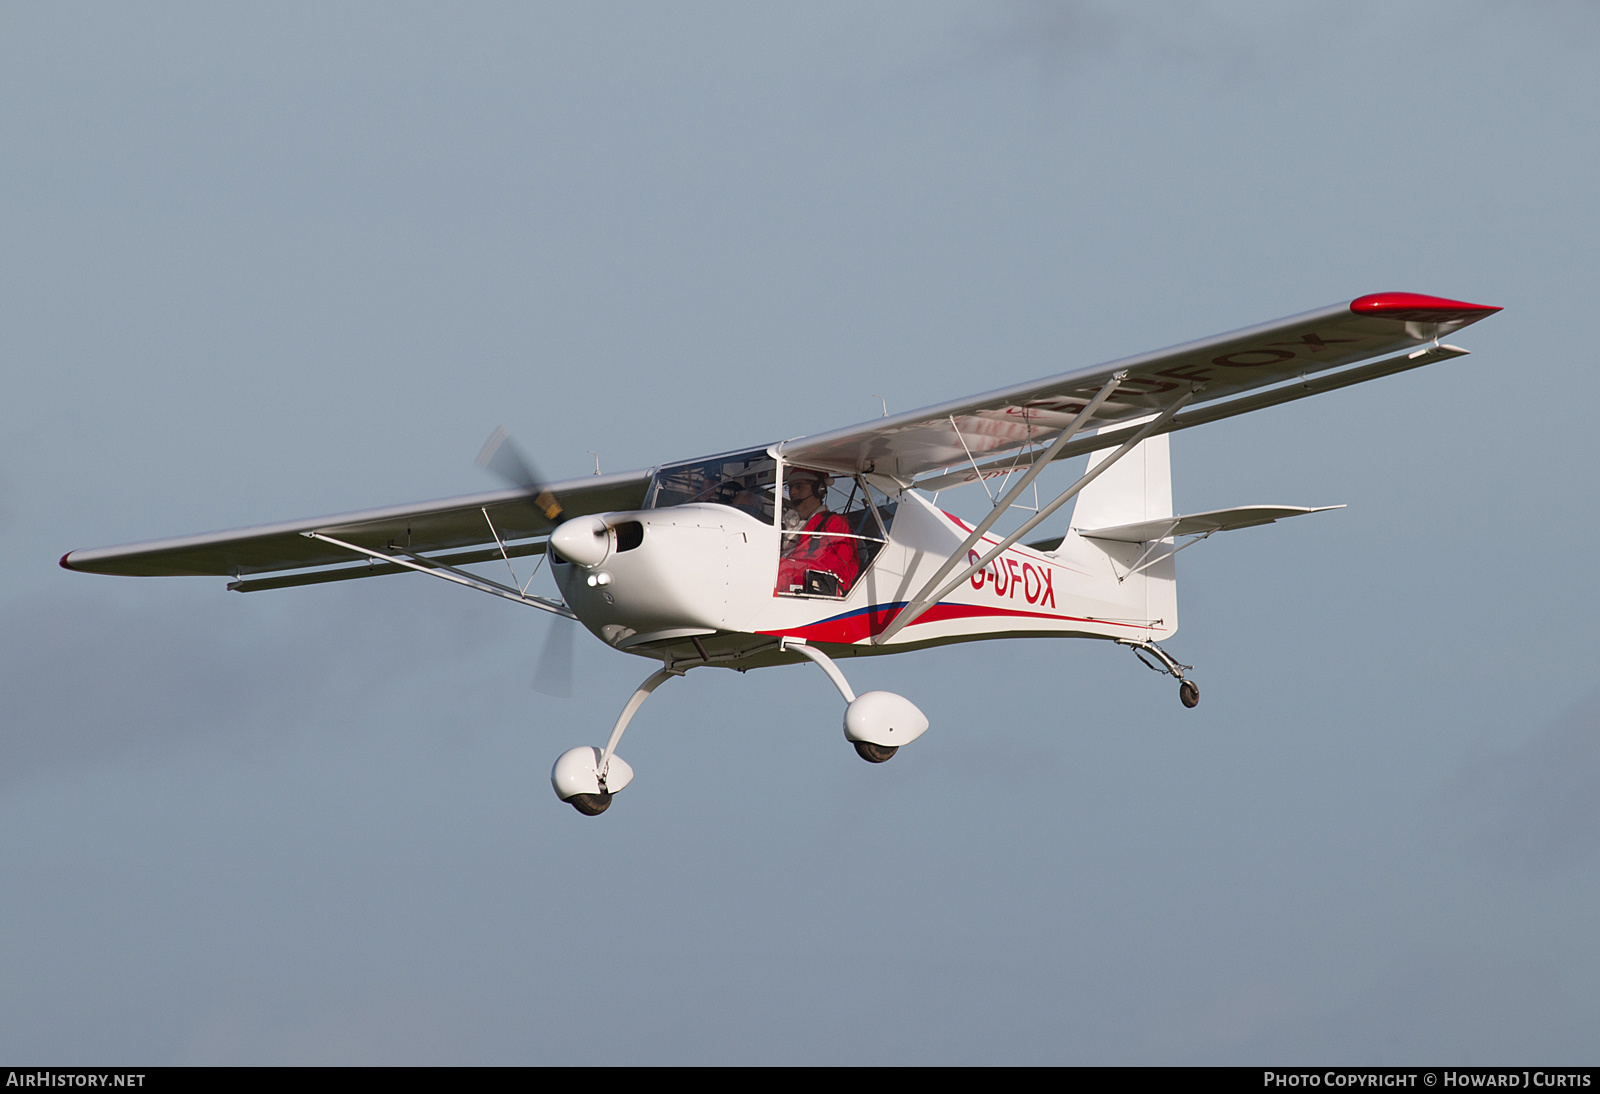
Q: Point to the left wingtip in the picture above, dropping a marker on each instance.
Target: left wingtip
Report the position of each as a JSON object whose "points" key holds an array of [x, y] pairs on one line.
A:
{"points": [[64, 564], [1415, 307]]}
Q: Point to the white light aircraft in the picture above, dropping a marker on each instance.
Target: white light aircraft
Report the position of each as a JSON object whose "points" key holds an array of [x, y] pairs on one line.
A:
{"points": [[826, 547]]}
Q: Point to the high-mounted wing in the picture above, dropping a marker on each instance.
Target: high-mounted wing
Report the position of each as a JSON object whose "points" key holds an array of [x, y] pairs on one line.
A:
{"points": [[1206, 380], [450, 525], [907, 446]]}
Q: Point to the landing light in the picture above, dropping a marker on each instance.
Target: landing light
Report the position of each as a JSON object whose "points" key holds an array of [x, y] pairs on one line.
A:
{"points": [[600, 578]]}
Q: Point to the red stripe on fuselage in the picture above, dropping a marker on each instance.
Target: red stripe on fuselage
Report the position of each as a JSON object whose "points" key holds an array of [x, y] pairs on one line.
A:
{"points": [[860, 626]]}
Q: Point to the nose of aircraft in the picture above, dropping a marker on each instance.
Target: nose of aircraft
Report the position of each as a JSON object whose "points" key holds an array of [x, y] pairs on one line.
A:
{"points": [[582, 540]]}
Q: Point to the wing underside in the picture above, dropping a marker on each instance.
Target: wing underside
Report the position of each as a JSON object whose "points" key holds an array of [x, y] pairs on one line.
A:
{"points": [[469, 529], [959, 437]]}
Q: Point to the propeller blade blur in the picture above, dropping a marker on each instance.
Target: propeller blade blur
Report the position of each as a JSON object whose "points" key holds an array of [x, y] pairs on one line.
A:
{"points": [[501, 456], [553, 675]]}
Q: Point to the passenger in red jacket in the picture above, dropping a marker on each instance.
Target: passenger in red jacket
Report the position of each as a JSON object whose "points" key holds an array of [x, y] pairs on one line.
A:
{"points": [[827, 554]]}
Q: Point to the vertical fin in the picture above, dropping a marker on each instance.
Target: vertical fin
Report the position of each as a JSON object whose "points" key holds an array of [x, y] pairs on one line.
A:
{"points": [[1136, 488]]}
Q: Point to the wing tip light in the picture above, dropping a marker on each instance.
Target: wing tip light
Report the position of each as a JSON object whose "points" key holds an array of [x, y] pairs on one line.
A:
{"points": [[1415, 307]]}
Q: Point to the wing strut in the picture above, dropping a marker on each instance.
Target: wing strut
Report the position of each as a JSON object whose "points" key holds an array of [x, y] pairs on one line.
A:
{"points": [[425, 565], [923, 601], [1000, 507]]}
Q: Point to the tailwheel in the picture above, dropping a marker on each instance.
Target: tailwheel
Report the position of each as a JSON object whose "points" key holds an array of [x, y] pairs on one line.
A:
{"points": [[874, 754], [1188, 690]]}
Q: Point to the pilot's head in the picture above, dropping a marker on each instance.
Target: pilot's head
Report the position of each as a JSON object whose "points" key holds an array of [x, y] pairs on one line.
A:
{"points": [[806, 486]]}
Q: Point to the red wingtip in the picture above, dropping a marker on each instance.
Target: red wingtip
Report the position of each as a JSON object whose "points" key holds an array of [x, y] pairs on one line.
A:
{"points": [[64, 558], [1414, 307]]}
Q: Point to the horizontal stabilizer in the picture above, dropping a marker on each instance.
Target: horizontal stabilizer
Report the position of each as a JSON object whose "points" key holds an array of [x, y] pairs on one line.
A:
{"points": [[1199, 524]]}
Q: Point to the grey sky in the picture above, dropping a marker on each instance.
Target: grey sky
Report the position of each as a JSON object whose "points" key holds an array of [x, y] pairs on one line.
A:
{"points": [[272, 262]]}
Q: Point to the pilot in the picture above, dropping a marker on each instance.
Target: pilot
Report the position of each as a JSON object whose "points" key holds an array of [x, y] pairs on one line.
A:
{"points": [[825, 564], [735, 491]]}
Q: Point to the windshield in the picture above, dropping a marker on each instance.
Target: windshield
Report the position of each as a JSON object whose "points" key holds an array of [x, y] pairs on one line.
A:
{"points": [[744, 480]]}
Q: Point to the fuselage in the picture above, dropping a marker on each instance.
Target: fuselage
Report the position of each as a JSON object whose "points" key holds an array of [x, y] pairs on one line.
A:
{"points": [[697, 582]]}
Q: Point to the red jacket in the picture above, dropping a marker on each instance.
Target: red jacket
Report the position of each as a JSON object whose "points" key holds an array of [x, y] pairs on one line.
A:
{"points": [[832, 554]]}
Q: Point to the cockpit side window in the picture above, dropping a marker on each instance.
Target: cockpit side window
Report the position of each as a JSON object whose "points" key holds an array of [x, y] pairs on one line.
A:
{"points": [[834, 527], [747, 481]]}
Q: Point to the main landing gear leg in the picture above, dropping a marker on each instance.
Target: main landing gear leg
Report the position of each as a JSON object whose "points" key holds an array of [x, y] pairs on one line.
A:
{"points": [[1188, 690], [876, 723], [587, 777]]}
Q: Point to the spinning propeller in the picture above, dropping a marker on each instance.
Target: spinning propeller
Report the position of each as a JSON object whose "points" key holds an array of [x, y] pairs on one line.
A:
{"points": [[553, 674], [501, 456]]}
